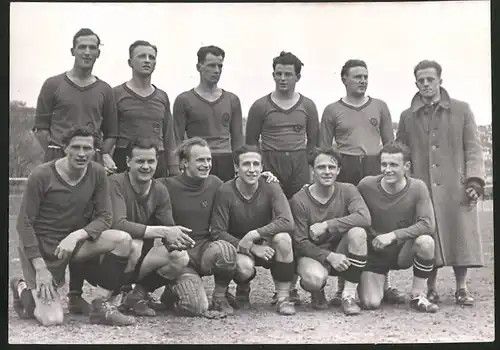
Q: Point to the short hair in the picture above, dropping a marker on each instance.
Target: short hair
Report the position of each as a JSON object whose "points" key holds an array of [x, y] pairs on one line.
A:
{"points": [[142, 143], [83, 131], [351, 64], [245, 149], [328, 151], [428, 64], [184, 150], [205, 50], [288, 58], [85, 32], [393, 147], [140, 43]]}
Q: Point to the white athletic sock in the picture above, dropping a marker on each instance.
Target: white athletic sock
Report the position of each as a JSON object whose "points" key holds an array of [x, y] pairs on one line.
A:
{"points": [[21, 286], [419, 286], [349, 289], [282, 290]]}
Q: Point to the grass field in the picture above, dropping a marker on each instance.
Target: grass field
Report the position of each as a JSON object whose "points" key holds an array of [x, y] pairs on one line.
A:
{"points": [[390, 324]]}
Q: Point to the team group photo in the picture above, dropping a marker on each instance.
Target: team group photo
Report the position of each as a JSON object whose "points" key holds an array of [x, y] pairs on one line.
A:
{"points": [[270, 208]]}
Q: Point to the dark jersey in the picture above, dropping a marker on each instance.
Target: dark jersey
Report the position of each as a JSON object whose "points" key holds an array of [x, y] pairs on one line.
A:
{"points": [[218, 122], [234, 216], [283, 130], [51, 209], [132, 212], [62, 105], [346, 209]]}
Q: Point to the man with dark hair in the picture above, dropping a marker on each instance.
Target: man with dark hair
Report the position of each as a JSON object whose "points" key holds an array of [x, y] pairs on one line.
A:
{"points": [[358, 125], [211, 113], [142, 209], [285, 123], [254, 216], [144, 111], [446, 155], [77, 98], [65, 216], [329, 233], [401, 231]]}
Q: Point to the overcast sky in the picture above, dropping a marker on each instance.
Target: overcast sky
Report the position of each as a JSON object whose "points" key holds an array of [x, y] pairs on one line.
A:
{"points": [[390, 37]]}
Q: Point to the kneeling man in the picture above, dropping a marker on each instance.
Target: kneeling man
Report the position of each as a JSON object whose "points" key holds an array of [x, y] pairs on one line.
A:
{"points": [[401, 231], [329, 233], [142, 208], [65, 217], [254, 216]]}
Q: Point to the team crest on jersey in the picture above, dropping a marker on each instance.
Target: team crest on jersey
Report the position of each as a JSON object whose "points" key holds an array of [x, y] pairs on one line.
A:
{"points": [[226, 117], [374, 121], [204, 204], [298, 128]]}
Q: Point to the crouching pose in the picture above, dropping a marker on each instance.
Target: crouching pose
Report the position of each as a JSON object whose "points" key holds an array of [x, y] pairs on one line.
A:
{"points": [[329, 233], [65, 217], [255, 217], [402, 225], [142, 208]]}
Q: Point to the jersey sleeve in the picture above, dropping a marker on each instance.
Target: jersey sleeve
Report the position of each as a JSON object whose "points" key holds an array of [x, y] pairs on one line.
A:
{"points": [[120, 221], [254, 123], [109, 126], [303, 245], [103, 216], [30, 205], [163, 212], [169, 140], [180, 119], [45, 105], [282, 215], [386, 133], [312, 126], [219, 223], [424, 214], [327, 130], [359, 214], [236, 123]]}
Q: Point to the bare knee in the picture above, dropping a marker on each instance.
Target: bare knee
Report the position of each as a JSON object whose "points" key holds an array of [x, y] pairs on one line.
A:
{"points": [[120, 241], [369, 302], [179, 259], [282, 241], [48, 314], [424, 245], [356, 236], [245, 267], [312, 276]]}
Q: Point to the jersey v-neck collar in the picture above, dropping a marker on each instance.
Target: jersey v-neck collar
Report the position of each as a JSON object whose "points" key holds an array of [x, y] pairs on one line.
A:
{"points": [[318, 203], [136, 95], [254, 195], [211, 103], [137, 195], [356, 108], [64, 182], [289, 110], [81, 88], [393, 195]]}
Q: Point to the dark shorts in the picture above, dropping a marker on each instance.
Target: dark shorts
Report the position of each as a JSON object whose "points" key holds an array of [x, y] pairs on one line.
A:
{"points": [[394, 257], [291, 169], [354, 168], [57, 153], [196, 253], [120, 159], [223, 166]]}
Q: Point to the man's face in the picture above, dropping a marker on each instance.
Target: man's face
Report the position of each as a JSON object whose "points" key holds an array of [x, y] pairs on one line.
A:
{"points": [[211, 68], [325, 170], [199, 163], [80, 151], [142, 165], [356, 81], [428, 82], [249, 168], [285, 77], [85, 51], [393, 167], [143, 60]]}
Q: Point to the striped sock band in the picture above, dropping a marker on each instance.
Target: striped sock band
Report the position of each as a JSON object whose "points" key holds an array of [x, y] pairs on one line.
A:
{"points": [[358, 263], [422, 267]]}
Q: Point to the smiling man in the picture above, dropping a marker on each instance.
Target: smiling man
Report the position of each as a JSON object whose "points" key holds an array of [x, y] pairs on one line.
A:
{"points": [[329, 233], [401, 231], [212, 113], [144, 112], [254, 216]]}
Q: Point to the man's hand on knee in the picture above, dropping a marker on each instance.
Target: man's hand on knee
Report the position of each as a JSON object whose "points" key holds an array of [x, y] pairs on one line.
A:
{"points": [[338, 261]]}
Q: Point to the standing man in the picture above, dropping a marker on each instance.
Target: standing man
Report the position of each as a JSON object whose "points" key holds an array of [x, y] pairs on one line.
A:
{"points": [[77, 98], [255, 217], [446, 154], [211, 113], [144, 112], [285, 123], [358, 125], [66, 216]]}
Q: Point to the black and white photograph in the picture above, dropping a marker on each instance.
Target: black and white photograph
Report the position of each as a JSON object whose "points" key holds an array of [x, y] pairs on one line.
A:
{"points": [[250, 173]]}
